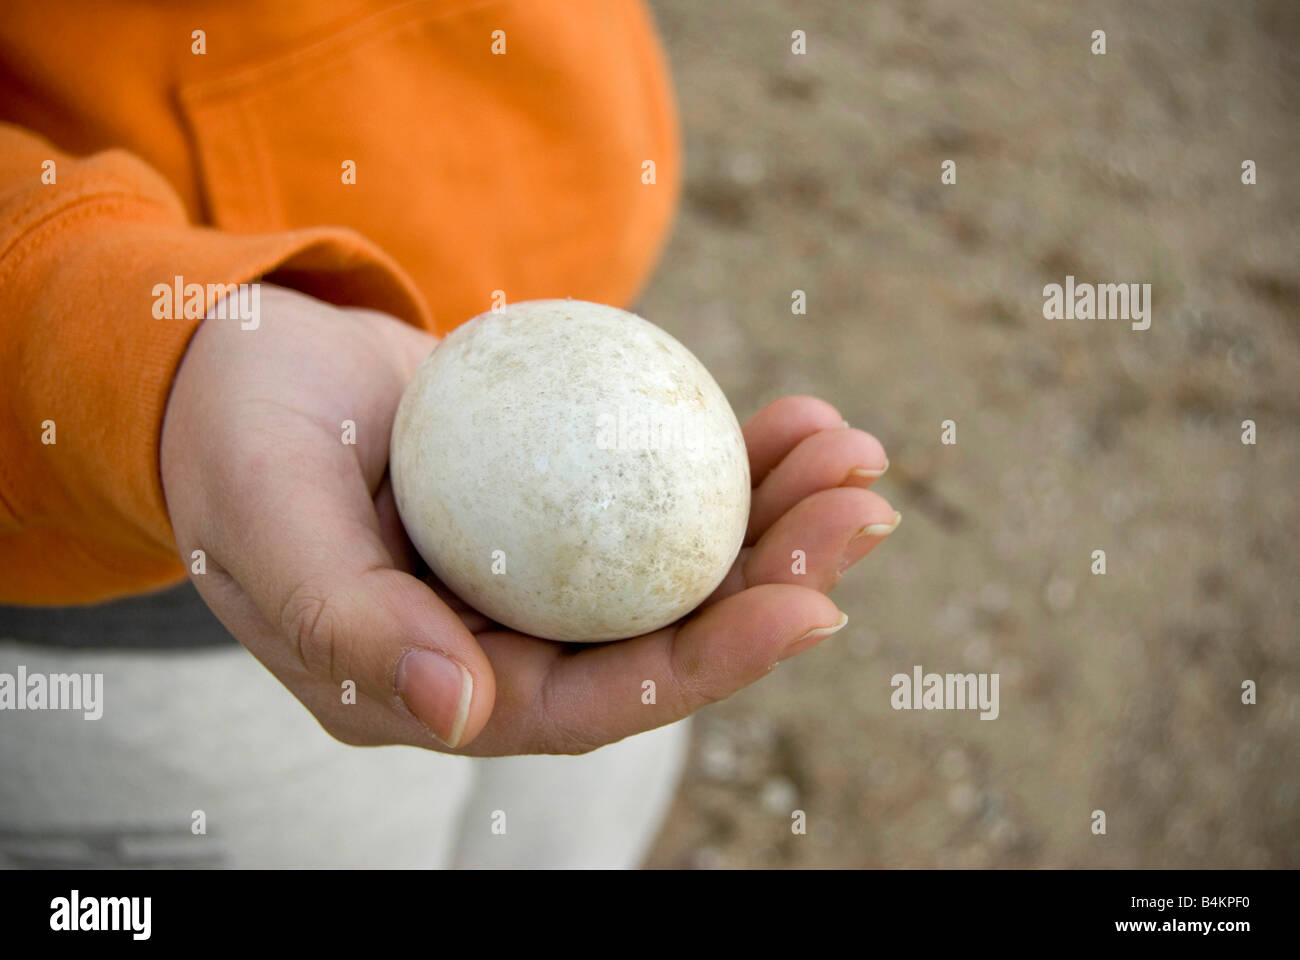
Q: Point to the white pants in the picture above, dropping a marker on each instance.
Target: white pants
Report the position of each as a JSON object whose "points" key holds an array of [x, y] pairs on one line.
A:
{"points": [[208, 738]]}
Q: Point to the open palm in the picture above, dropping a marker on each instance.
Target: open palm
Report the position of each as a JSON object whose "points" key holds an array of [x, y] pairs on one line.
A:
{"points": [[308, 566]]}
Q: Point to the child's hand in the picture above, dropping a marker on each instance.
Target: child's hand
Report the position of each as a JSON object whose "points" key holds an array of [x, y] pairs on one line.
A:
{"points": [[308, 565]]}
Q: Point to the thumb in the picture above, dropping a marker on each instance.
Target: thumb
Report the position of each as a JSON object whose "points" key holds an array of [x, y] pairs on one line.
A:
{"points": [[392, 635], [308, 551]]}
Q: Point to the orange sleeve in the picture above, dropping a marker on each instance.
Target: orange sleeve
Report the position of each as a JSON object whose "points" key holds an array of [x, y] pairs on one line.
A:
{"points": [[83, 242]]}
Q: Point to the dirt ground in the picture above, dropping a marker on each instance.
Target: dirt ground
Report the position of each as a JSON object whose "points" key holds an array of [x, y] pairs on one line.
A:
{"points": [[1122, 692]]}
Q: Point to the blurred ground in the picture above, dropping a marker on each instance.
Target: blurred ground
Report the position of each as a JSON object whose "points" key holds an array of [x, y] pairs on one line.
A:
{"points": [[1119, 692]]}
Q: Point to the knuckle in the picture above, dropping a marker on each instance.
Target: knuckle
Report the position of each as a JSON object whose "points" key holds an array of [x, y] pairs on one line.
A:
{"points": [[692, 684], [556, 736], [308, 620], [564, 742]]}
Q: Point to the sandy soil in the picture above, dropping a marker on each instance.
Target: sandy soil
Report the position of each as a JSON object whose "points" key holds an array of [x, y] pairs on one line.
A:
{"points": [[1120, 692]]}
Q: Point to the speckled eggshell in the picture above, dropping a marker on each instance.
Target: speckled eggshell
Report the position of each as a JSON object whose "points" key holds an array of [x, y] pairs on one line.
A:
{"points": [[584, 452]]}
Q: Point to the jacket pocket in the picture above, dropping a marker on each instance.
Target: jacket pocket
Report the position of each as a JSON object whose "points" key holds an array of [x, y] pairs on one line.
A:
{"points": [[478, 171]]}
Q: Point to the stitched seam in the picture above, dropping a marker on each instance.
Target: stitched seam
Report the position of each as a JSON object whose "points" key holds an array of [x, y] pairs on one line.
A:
{"points": [[29, 235], [31, 239], [322, 54]]}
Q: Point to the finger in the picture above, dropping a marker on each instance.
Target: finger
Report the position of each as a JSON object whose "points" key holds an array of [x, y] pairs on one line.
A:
{"points": [[307, 548], [564, 701], [410, 345], [777, 429], [829, 458], [391, 531], [474, 621], [816, 542]]}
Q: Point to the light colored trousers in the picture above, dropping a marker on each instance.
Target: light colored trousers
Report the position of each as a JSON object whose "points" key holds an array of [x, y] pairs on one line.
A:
{"points": [[211, 731]]}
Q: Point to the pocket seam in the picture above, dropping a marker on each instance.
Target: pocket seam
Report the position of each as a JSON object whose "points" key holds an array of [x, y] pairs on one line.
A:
{"points": [[204, 102], [323, 53]]}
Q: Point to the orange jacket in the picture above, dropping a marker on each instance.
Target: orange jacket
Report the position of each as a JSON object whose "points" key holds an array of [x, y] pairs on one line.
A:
{"points": [[134, 149]]}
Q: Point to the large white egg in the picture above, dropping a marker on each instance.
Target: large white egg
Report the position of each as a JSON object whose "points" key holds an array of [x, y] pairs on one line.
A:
{"points": [[571, 471]]}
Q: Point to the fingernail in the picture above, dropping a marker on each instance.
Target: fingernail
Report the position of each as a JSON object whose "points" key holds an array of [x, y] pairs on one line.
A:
{"points": [[813, 637], [868, 472], [879, 529], [438, 691]]}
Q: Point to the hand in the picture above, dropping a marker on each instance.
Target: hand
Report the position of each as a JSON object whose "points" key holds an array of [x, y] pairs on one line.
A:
{"points": [[308, 565]]}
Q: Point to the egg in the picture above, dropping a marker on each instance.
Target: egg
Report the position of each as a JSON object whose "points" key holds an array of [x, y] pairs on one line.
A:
{"points": [[571, 471]]}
